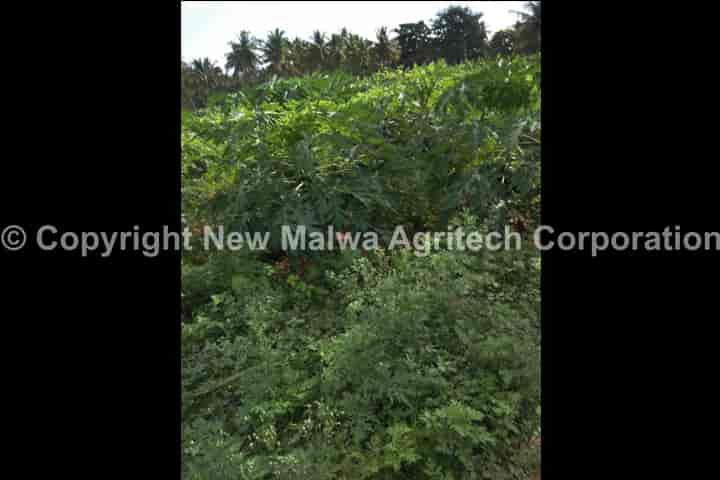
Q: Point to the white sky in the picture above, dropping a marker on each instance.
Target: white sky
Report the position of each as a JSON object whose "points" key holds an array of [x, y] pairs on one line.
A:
{"points": [[208, 27]]}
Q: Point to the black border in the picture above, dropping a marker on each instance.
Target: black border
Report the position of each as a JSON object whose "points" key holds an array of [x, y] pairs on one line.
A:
{"points": [[92, 345], [627, 336], [93, 143]]}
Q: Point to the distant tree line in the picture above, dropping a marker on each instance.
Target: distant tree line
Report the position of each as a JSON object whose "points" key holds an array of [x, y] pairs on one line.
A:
{"points": [[456, 34]]}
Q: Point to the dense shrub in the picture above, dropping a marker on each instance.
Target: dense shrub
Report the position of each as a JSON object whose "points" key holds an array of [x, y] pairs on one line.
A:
{"points": [[400, 147], [416, 368], [352, 364]]}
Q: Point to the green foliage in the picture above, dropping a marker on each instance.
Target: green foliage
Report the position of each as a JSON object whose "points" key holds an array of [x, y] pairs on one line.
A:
{"points": [[417, 368], [460, 35], [528, 29], [363, 365], [456, 34], [502, 43], [397, 147]]}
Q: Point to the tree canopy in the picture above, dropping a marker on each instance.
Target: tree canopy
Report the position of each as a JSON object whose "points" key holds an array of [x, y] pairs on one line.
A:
{"points": [[456, 34]]}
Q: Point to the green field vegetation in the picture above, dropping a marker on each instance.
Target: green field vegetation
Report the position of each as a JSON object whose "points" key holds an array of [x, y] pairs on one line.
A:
{"points": [[353, 364]]}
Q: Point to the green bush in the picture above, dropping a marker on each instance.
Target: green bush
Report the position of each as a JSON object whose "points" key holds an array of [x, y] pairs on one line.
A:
{"points": [[420, 368], [364, 365], [409, 147]]}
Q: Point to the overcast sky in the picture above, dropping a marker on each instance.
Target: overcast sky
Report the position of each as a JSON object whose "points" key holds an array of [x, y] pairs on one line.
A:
{"points": [[208, 27]]}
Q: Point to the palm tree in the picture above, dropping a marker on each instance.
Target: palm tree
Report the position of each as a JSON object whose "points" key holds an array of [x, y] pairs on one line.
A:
{"points": [[243, 59], [188, 86], [357, 52], [197, 79], [532, 15], [335, 52], [318, 50], [528, 28], [208, 71], [274, 51], [298, 57], [384, 52]]}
